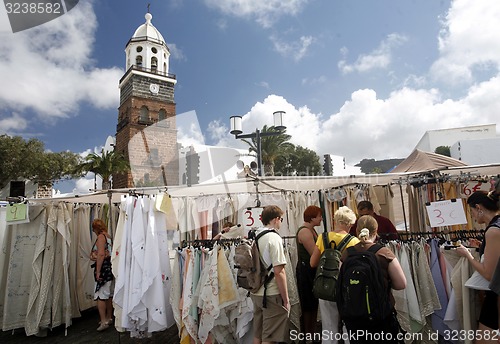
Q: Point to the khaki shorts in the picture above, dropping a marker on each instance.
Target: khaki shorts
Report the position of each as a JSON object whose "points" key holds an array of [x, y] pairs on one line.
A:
{"points": [[270, 324]]}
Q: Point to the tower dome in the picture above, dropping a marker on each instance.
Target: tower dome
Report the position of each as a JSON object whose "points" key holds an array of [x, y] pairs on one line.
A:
{"points": [[147, 30], [147, 49]]}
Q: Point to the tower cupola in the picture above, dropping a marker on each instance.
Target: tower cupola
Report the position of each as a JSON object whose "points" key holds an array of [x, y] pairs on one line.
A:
{"points": [[147, 49]]}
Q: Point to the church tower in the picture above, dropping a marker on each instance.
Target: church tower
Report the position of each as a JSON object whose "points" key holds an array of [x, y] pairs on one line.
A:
{"points": [[146, 130]]}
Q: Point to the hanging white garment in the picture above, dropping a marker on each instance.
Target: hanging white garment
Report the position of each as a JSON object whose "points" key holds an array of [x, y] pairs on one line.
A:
{"points": [[61, 303], [122, 283], [4, 258], [156, 274], [243, 312], [137, 312], [189, 285], [175, 290], [85, 274], [115, 259], [208, 296], [39, 283]]}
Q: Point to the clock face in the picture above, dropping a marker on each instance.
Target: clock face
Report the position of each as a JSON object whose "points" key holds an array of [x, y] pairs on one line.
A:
{"points": [[154, 88]]}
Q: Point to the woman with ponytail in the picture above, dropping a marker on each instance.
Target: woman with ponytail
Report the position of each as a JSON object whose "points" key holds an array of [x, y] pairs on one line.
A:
{"points": [[484, 208], [392, 277]]}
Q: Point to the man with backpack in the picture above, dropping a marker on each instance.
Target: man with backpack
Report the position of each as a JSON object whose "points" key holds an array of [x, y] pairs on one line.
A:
{"points": [[271, 303], [364, 299]]}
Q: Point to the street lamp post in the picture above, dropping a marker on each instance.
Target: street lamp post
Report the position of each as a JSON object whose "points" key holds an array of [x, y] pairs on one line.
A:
{"points": [[236, 130]]}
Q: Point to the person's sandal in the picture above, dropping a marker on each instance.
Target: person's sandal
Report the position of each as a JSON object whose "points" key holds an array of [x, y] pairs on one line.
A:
{"points": [[103, 327]]}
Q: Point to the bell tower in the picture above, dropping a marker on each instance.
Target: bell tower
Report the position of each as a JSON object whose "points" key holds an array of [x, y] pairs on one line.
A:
{"points": [[146, 131]]}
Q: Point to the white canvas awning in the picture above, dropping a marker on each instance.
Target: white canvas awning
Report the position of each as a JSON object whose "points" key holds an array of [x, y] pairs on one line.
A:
{"points": [[277, 184]]}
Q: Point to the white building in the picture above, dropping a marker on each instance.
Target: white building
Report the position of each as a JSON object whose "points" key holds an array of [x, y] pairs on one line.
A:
{"points": [[477, 152], [448, 137], [473, 145]]}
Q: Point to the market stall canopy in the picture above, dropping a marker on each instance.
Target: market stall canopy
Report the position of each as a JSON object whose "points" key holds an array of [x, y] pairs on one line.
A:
{"points": [[276, 184], [420, 161]]}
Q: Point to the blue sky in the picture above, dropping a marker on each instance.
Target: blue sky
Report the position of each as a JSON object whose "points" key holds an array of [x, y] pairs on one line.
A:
{"points": [[357, 78]]}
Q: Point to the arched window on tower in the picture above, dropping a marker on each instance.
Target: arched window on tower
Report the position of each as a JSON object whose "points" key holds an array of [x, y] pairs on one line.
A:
{"points": [[138, 61], [162, 115], [164, 68], [144, 115], [154, 63]]}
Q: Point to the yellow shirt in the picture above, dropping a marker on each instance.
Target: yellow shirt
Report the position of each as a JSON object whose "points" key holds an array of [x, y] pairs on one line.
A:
{"points": [[337, 238]]}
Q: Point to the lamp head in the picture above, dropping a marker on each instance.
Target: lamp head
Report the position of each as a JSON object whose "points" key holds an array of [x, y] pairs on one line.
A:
{"points": [[235, 122], [278, 120]]}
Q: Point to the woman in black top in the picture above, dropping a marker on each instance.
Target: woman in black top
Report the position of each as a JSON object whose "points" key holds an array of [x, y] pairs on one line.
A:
{"points": [[306, 241], [485, 209]]}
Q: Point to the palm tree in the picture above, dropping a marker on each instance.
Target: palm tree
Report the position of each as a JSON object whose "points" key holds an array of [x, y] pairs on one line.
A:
{"points": [[104, 165], [271, 147]]}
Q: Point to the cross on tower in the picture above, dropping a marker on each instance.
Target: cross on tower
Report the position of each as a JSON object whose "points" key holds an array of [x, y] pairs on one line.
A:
{"points": [[148, 7]]}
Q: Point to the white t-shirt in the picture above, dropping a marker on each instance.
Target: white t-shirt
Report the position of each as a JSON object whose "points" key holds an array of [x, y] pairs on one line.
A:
{"points": [[271, 253]]}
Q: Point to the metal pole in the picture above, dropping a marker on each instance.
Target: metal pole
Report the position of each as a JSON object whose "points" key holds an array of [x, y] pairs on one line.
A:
{"points": [[403, 204], [110, 214], [259, 152]]}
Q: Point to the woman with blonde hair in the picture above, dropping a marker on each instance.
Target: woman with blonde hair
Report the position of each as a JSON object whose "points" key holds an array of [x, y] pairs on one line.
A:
{"points": [[343, 219], [102, 273]]}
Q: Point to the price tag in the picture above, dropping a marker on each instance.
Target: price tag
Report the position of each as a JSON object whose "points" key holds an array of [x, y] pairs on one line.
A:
{"points": [[467, 189], [17, 212], [446, 213], [251, 218]]}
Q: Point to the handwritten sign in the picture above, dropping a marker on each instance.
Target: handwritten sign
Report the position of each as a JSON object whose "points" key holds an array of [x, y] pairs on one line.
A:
{"points": [[251, 218], [446, 213], [17, 213], [467, 189]]}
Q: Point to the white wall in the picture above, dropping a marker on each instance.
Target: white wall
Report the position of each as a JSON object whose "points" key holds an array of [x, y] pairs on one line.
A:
{"points": [[477, 152], [447, 137]]}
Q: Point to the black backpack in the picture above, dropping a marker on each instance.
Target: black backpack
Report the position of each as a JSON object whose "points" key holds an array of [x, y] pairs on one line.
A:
{"points": [[361, 293], [327, 271]]}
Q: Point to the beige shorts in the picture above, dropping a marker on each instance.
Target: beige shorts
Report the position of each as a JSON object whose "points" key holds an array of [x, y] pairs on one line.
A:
{"points": [[105, 292], [270, 324]]}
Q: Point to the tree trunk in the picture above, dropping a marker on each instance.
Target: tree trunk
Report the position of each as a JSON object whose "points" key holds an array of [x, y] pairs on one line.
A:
{"points": [[106, 185]]}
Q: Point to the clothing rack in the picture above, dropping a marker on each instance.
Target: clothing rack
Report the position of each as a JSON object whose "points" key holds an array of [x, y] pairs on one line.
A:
{"points": [[208, 243], [451, 235]]}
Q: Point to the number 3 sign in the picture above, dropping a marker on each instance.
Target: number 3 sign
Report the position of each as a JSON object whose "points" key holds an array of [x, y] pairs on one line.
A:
{"points": [[251, 218], [446, 213]]}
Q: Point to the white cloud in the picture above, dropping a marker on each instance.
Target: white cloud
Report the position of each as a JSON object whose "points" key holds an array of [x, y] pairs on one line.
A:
{"points": [[379, 58], [83, 185], [188, 129], [367, 126], [11, 125], [314, 81], [176, 52], [50, 69], [297, 50], [468, 40], [265, 12], [263, 84]]}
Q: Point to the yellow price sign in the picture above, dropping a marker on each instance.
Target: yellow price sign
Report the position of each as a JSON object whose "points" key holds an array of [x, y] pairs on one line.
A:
{"points": [[17, 212]]}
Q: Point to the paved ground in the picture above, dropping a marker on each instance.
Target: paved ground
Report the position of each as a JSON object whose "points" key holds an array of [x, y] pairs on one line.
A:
{"points": [[83, 330]]}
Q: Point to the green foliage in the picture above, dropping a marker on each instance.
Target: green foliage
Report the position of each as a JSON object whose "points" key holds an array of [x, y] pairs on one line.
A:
{"points": [[105, 165], [377, 166], [271, 147], [443, 150], [297, 161], [29, 160]]}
